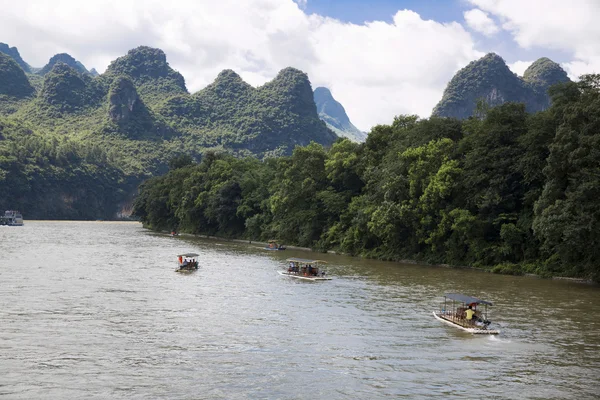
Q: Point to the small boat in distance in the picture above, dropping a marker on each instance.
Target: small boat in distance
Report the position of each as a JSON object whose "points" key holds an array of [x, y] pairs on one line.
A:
{"points": [[273, 245], [308, 270], [463, 314], [11, 218], [187, 262]]}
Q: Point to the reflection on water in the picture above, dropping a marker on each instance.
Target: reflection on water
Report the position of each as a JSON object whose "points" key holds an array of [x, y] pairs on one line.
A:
{"points": [[95, 310]]}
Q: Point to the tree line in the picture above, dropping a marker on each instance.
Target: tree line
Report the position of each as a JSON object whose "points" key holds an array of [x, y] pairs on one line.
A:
{"points": [[504, 190]]}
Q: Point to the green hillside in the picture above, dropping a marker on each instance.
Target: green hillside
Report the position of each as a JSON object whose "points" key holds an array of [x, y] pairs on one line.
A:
{"points": [[490, 80], [140, 115]]}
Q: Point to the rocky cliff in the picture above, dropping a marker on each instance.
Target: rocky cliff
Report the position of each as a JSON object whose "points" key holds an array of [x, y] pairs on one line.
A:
{"points": [[334, 115]]}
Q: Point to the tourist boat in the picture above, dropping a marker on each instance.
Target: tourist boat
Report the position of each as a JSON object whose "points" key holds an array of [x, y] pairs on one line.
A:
{"points": [[456, 314], [11, 218], [300, 268], [273, 245], [187, 262]]}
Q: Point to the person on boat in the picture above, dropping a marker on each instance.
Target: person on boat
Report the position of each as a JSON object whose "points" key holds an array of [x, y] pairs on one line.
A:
{"points": [[180, 260], [469, 314], [185, 263]]}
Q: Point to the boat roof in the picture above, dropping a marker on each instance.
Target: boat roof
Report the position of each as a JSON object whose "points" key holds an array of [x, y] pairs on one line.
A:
{"points": [[188, 255], [466, 299], [305, 260]]}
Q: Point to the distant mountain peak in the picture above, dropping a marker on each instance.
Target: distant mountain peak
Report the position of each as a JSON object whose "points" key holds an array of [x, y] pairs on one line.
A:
{"points": [[68, 90], [490, 79], [228, 74], [14, 54], [228, 86], [147, 66], [334, 115], [13, 81], [545, 71], [63, 58]]}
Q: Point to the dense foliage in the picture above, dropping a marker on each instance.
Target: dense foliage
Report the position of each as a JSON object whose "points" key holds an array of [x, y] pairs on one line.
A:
{"points": [[13, 81], [510, 191], [56, 177], [489, 79], [67, 132]]}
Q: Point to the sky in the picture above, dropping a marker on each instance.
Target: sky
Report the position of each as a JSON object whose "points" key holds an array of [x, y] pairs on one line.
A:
{"points": [[379, 58]]}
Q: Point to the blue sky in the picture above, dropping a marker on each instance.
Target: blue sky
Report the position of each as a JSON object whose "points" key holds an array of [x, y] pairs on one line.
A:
{"points": [[444, 11]]}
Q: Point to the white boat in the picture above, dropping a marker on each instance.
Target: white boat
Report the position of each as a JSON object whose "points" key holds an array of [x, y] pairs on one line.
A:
{"points": [[457, 314], [304, 269], [12, 218], [187, 262]]}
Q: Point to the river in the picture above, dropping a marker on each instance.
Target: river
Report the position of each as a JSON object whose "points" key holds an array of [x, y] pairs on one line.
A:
{"points": [[95, 310]]}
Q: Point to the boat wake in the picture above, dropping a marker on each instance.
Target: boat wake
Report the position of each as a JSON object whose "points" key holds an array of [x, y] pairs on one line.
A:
{"points": [[494, 338]]}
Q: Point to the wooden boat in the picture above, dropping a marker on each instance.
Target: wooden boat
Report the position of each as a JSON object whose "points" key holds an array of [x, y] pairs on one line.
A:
{"points": [[187, 262], [304, 269], [274, 246], [457, 314]]}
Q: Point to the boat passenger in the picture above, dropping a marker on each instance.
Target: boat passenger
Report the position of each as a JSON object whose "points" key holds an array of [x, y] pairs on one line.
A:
{"points": [[469, 314], [180, 260], [185, 262]]}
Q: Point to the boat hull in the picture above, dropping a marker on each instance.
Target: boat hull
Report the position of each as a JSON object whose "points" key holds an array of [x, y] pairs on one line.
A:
{"points": [[305, 278], [475, 331], [186, 271]]}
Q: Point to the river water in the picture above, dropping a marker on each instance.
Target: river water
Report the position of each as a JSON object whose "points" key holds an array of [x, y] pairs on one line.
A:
{"points": [[95, 310]]}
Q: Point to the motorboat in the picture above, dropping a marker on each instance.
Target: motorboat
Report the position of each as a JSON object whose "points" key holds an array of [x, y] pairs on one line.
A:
{"points": [[187, 262], [305, 269], [464, 312], [11, 218]]}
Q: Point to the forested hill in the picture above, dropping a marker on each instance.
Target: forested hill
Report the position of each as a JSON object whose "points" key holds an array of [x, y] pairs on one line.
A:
{"points": [[13, 53], [334, 115], [490, 80], [510, 191], [134, 118]]}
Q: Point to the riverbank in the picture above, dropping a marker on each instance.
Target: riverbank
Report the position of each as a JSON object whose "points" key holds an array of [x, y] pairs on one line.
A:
{"points": [[505, 269]]}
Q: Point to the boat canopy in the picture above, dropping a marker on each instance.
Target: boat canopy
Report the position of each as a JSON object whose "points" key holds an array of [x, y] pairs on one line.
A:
{"points": [[466, 299], [188, 255], [306, 261]]}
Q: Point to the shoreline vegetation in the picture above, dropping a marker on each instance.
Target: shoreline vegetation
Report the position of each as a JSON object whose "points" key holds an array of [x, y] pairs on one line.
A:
{"points": [[412, 262], [504, 191]]}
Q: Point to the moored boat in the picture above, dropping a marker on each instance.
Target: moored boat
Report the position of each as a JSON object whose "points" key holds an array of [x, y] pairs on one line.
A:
{"points": [[273, 245], [187, 262], [11, 218], [305, 269], [463, 314]]}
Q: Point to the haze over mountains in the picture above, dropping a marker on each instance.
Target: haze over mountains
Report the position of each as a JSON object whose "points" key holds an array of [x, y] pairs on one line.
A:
{"points": [[334, 115]]}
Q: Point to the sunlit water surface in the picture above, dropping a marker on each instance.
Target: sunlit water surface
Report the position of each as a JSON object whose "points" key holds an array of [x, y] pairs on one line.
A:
{"points": [[95, 310]]}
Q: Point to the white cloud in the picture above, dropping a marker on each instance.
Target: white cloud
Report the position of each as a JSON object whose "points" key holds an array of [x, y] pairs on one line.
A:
{"points": [[519, 67], [376, 70], [480, 22], [570, 26]]}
